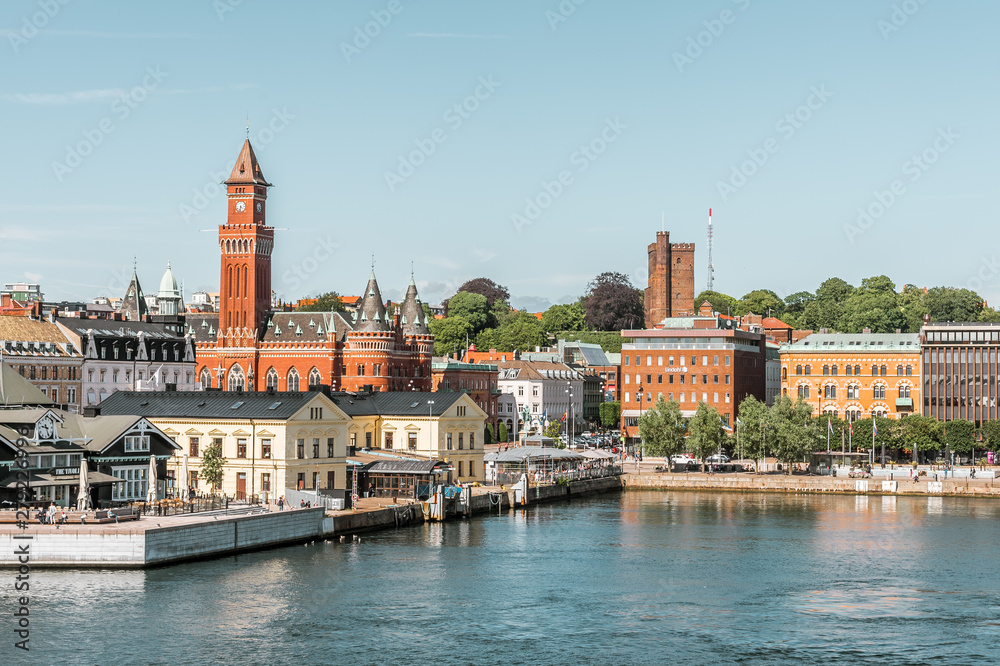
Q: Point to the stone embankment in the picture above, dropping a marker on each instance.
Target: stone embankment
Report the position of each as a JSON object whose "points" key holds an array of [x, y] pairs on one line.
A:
{"points": [[778, 483]]}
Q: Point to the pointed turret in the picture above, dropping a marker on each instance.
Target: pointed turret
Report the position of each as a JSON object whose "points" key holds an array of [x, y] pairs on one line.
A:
{"points": [[134, 304], [169, 296], [412, 317], [371, 314], [246, 171]]}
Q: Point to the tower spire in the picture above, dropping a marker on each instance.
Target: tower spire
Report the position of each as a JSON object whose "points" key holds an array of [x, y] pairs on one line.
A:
{"points": [[711, 267]]}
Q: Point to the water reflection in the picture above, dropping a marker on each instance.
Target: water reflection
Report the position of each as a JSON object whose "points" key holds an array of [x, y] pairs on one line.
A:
{"points": [[633, 578]]}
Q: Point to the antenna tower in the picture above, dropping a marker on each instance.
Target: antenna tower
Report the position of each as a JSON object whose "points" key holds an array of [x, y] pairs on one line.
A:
{"points": [[711, 267]]}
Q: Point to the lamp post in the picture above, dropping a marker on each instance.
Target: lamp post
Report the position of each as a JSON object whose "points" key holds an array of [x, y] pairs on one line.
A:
{"points": [[430, 443], [639, 393]]}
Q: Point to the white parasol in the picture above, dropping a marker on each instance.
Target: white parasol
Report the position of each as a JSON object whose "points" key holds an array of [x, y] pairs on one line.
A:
{"points": [[83, 496], [151, 493], [184, 478]]}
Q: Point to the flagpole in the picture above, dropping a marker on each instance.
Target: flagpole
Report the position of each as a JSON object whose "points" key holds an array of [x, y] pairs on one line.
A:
{"points": [[829, 427]]}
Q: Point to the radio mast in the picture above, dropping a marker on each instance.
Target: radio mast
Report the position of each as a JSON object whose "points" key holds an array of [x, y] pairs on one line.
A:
{"points": [[711, 267]]}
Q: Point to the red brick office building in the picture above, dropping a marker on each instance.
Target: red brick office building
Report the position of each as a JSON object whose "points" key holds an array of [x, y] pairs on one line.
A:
{"points": [[691, 360], [248, 346]]}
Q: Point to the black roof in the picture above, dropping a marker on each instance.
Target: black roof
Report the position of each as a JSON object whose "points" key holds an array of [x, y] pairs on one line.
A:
{"points": [[265, 405], [208, 404], [401, 466], [396, 403]]}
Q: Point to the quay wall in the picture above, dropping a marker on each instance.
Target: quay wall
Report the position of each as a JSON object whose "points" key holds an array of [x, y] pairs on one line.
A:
{"points": [[586, 487], [67, 549], [807, 484]]}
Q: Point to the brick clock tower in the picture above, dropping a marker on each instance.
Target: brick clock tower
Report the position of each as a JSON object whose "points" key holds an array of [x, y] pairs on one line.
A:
{"points": [[246, 242]]}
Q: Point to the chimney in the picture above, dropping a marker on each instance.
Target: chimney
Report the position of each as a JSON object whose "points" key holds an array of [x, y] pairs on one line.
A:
{"points": [[91, 411], [898, 331], [867, 331]]}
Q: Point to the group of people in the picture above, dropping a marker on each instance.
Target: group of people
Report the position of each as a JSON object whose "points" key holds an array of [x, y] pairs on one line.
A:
{"points": [[303, 504], [51, 516]]}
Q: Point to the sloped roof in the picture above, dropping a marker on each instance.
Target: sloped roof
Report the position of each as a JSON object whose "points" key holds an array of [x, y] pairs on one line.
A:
{"points": [[406, 466], [247, 169], [208, 404], [397, 403], [371, 314], [820, 342], [16, 390]]}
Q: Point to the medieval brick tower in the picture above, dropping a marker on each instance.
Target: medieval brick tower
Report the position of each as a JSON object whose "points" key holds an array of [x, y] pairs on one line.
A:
{"points": [[246, 243], [670, 292]]}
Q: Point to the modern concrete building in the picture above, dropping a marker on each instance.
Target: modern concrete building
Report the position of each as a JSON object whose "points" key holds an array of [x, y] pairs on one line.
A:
{"points": [[959, 371]]}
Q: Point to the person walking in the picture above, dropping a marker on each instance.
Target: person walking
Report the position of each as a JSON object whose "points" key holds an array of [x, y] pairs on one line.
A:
{"points": [[281, 503]]}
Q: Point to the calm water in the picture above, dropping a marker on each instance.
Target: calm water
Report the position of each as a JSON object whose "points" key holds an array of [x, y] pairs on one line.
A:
{"points": [[621, 579]]}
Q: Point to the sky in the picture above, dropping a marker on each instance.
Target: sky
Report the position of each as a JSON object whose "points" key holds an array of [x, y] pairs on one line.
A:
{"points": [[537, 143]]}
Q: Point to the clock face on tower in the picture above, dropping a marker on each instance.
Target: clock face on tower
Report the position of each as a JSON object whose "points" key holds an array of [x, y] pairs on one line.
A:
{"points": [[240, 206], [259, 206]]}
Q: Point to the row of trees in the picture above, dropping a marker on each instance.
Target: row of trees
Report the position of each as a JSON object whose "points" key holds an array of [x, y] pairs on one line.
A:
{"points": [[480, 312], [787, 431], [840, 306]]}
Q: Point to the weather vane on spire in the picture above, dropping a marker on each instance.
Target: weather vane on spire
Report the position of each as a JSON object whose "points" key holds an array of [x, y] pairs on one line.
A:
{"points": [[248, 126]]}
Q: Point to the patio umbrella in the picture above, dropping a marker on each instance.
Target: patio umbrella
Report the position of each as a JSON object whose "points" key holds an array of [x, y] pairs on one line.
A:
{"points": [[151, 493], [184, 478], [83, 496], [915, 456]]}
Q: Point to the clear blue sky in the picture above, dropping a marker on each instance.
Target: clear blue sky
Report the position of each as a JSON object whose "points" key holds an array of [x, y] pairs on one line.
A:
{"points": [[345, 118]]}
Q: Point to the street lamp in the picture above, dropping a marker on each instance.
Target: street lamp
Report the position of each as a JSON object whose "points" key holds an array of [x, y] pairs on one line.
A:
{"points": [[638, 394], [430, 442]]}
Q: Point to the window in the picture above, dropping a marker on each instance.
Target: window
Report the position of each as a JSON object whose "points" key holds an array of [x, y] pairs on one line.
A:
{"points": [[137, 443], [329, 447], [826, 370], [316, 413], [460, 468], [659, 379], [193, 446], [808, 369], [411, 441], [833, 370], [904, 391], [727, 380], [880, 392], [316, 446], [626, 360], [241, 447], [194, 480], [649, 360], [135, 485], [715, 379], [727, 362], [471, 468], [704, 379], [448, 439], [205, 378], [472, 442], [694, 360], [461, 441], [716, 360], [883, 370], [237, 380], [899, 369], [71, 395], [852, 392], [271, 379], [300, 448], [857, 370], [314, 377], [265, 483], [874, 371], [376, 369], [804, 392], [848, 371], [388, 440], [293, 380], [909, 370], [265, 448]]}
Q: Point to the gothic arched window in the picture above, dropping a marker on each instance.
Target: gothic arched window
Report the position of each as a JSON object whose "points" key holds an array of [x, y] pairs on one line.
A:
{"points": [[205, 378], [314, 377], [237, 380], [272, 379], [293, 380]]}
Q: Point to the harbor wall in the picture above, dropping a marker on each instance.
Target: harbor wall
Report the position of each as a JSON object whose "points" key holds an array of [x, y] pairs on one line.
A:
{"points": [[809, 484]]}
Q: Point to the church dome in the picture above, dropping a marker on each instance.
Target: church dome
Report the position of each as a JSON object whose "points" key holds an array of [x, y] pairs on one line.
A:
{"points": [[168, 285]]}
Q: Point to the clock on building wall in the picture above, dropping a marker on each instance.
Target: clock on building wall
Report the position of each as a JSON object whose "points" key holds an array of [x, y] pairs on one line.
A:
{"points": [[259, 206], [45, 429], [240, 206]]}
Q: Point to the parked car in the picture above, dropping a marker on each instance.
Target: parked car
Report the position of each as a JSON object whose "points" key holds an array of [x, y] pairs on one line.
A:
{"points": [[717, 458], [683, 459]]}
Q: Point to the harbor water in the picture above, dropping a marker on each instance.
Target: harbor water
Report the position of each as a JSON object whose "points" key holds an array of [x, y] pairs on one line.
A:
{"points": [[630, 578]]}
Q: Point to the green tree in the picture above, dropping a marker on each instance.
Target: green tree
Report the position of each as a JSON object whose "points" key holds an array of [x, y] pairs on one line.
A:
{"points": [[990, 431], [960, 435], [563, 318], [661, 429], [212, 464], [923, 431], [473, 308], [721, 303], [874, 305], [751, 431], [554, 430], [795, 432], [761, 302], [521, 332], [328, 302], [707, 433], [951, 304], [449, 334], [610, 413], [502, 432]]}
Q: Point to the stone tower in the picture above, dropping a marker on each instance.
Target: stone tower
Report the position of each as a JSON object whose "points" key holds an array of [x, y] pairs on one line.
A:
{"points": [[670, 292]]}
